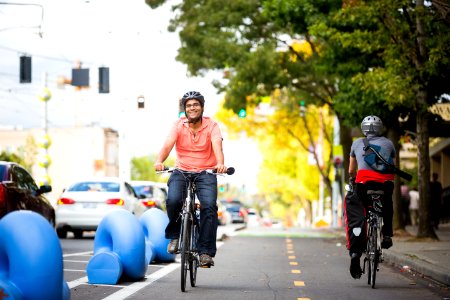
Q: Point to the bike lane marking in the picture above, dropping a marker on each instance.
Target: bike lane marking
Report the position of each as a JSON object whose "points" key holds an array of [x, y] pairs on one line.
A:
{"points": [[292, 261], [133, 288]]}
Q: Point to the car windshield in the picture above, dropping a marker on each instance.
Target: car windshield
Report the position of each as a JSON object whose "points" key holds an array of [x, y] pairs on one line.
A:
{"points": [[233, 208], [2, 172], [95, 186], [143, 190]]}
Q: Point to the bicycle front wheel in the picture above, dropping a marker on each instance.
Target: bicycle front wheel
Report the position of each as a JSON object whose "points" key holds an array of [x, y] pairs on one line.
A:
{"points": [[184, 251], [193, 262]]}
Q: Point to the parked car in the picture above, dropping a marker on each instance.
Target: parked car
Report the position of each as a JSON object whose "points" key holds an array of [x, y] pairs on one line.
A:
{"points": [[19, 191], [83, 204], [223, 215], [237, 211], [151, 194], [253, 218]]}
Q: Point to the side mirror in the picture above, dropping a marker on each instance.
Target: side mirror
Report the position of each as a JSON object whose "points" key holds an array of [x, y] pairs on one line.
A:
{"points": [[45, 189]]}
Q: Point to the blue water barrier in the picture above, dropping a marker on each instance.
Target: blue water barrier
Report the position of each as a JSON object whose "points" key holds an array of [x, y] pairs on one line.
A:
{"points": [[154, 222], [31, 260], [119, 250]]}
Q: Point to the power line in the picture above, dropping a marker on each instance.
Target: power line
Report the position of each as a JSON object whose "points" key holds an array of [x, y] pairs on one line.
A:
{"points": [[26, 4]]}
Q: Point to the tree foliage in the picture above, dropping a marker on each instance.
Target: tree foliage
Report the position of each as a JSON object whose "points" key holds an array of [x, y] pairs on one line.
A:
{"points": [[142, 168], [388, 58]]}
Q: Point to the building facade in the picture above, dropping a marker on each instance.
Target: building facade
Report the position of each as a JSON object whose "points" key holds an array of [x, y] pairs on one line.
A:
{"points": [[72, 153]]}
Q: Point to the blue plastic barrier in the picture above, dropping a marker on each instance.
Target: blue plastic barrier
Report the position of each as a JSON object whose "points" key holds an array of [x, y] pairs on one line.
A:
{"points": [[154, 222], [31, 261], [119, 249]]}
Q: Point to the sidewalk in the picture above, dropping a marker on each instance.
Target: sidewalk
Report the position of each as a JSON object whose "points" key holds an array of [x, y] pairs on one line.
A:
{"points": [[430, 258]]}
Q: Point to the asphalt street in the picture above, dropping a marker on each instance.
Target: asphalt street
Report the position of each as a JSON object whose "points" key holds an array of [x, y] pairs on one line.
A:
{"points": [[255, 264]]}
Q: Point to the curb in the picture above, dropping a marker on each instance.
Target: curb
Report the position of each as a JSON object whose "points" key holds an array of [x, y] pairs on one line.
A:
{"points": [[415, 264]]}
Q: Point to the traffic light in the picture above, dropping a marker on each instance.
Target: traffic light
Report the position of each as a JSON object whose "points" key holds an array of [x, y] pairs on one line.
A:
{"points": [[302, 108], [80, 77], [103, 80], [242, 113], [25, 69]]}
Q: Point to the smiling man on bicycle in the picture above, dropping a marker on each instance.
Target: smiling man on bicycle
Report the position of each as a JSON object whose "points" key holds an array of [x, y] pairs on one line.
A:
{"points": [[198, 143], [368, 176]]}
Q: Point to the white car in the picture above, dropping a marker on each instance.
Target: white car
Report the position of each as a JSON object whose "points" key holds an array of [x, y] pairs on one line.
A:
{"points": [[151, 194], [83, 204]]}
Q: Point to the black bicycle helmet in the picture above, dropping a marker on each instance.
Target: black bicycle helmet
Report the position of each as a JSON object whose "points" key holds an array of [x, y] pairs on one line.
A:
{"points": [[192, 95], [372, 125]]}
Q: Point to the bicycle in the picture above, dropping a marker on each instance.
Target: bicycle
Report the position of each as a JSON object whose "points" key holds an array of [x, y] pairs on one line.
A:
{"points": [[374, 225], [190, 222]]}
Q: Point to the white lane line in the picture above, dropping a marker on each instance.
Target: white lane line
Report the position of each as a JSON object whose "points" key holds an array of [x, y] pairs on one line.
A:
{"points": [[77, 282], [88, 253], [133, 288]]}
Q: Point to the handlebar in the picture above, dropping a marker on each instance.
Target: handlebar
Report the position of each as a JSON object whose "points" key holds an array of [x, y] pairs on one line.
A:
{"points": [[230, 170]]}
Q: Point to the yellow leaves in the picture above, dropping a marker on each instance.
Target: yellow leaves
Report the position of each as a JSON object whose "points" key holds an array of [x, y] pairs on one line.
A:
{"points": [[301, 48]]}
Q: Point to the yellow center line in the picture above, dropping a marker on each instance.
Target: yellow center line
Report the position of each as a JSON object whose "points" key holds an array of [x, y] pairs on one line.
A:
{"points": [[291, 256], [303, 299], [290, 252], [295, 271], [299, 283], [293, 263]]}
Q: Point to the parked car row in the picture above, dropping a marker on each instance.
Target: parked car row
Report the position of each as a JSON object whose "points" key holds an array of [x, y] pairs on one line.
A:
{"points": [[83, 204]]}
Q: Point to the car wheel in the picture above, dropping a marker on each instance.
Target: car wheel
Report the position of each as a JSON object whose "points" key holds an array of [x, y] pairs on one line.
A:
{"points": [[78, 233], [62, 233]]}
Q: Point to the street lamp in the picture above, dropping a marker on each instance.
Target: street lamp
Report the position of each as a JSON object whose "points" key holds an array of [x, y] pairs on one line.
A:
{"points": [[141, 101]]}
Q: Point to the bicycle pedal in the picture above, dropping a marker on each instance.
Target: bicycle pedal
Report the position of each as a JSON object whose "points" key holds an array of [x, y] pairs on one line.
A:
{"points": [[205, 266]]}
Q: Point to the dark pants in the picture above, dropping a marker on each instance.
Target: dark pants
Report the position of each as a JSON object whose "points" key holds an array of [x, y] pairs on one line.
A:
{"points": [[355, 213], [207, 194]]}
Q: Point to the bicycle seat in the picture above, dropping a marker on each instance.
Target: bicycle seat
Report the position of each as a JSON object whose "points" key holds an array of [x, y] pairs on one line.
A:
{"points": [[375, 192]]}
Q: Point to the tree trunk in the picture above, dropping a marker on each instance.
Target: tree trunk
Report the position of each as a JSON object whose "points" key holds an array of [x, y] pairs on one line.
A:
{"points": [[398, 221], [345, 134], [425, 227], [423, 135]]}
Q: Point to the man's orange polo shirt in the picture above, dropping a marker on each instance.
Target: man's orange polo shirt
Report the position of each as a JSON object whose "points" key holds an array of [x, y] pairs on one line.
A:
{"points": [[195, 152]]}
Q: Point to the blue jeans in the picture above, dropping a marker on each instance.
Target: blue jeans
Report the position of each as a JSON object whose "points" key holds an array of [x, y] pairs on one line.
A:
{"points": [[206, 185]]}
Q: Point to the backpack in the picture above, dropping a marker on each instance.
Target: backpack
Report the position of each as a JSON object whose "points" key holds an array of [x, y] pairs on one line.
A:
{"points": [[378, 163]]}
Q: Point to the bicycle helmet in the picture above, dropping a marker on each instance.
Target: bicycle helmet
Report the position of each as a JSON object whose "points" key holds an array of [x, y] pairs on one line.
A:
{"points": [[372, 125], [192, 95]]}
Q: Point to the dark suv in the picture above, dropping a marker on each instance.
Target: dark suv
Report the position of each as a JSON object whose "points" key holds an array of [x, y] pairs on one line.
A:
{"points": [[19, 191]]}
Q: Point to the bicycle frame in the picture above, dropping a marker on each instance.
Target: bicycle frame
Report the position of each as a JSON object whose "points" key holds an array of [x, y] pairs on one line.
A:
{"points": [[187, 242], [188, 237], [374, 226]]}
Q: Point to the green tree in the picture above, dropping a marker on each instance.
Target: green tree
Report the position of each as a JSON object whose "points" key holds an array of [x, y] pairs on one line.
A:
{"points": [[12, 157], [391, 57], [412, 39], [142, 168]]}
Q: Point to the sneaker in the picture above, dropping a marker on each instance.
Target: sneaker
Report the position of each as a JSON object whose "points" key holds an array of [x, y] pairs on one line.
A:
{"points": [[172, 248], [386, 243], [355, 267], [206, 261]]}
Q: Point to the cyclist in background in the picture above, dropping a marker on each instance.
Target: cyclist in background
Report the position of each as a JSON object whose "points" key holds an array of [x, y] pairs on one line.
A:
{"points": [[198, 143], [368, 178]]}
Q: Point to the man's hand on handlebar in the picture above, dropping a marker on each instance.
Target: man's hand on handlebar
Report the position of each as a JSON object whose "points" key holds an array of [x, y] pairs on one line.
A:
{"points": [[221, 168], [158, 166]]}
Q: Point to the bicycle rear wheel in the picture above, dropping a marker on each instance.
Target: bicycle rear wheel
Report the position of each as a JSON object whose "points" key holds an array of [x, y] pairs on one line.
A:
{"points": [[193, 261], [373, 261], [184, 251], [370, 250]]}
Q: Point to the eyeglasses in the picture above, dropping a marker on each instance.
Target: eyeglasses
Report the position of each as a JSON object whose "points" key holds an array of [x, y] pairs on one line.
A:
{"points": [[194, 105]]}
